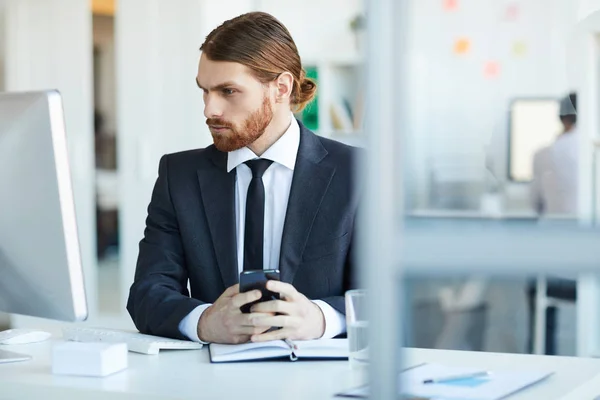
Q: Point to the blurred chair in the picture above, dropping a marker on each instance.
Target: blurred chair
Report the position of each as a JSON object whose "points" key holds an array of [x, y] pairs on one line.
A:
{"points": [[544, 298], [455, 319], [545, 294]]}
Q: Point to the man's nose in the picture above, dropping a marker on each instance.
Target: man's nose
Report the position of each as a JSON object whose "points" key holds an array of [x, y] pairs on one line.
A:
{"points": [[212, 107]]}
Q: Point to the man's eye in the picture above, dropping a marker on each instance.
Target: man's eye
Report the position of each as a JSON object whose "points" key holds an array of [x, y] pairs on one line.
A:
{"points": [[228, 92]]}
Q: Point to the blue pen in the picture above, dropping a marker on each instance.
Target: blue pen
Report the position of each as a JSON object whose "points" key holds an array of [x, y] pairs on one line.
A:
{"points": [[456, 377]]}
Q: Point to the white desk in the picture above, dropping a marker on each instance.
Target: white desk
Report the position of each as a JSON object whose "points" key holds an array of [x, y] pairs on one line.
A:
{"points": [[189, 375], [569, 372]]}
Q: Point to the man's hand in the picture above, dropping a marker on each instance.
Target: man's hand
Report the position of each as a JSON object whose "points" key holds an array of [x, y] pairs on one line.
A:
{"points": [[223, 322], [298, 317]]}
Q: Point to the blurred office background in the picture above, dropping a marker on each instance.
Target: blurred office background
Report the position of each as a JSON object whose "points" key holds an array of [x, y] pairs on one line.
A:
{"points": [[126, 70]]}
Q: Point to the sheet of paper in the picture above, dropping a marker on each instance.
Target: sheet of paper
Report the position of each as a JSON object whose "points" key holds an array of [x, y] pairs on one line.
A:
{"points": [[496, 385]]}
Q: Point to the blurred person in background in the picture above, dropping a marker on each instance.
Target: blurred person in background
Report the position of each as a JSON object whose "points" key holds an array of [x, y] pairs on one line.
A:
{"points": [[554, 193], [556, 168], [206, 223]]}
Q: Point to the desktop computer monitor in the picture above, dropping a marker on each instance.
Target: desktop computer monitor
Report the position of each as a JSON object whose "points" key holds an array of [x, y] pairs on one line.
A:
{"points": [[534, 123], [40, 264]]}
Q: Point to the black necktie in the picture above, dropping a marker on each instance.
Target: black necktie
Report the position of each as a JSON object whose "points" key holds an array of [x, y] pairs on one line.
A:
{"points": [[255, 216]]}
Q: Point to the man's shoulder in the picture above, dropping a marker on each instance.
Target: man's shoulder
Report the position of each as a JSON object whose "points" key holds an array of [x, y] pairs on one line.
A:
{"points": [[189, 158], [340, 151]]}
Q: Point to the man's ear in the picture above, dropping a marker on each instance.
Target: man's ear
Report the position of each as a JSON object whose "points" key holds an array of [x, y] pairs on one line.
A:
{"points": [[284, 84]]}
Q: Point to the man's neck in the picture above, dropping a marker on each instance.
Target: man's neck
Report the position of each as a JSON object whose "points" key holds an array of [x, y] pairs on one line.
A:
{"points": [[276, 129]]}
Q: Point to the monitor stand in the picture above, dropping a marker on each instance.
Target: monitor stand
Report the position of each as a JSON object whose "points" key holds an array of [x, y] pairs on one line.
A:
{"points": [[9, 356]]}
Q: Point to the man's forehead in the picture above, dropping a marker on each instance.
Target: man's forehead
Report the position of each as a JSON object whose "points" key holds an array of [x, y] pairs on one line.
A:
{"points": [[212, 73]]}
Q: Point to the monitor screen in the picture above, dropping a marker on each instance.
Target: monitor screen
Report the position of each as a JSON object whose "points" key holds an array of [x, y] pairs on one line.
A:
{"points": [[534, 123], [40, 264]]}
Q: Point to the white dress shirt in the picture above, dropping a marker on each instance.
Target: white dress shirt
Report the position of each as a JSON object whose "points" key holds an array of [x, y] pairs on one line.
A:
{"points": [[277, 180], [554, 188]]}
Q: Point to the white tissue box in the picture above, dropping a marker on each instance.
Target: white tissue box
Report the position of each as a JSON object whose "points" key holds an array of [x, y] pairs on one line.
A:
{"points": [[88, 359]]}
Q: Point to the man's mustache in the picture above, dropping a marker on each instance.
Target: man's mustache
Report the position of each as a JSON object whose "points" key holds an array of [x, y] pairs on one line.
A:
{"points": [[218, 122]]}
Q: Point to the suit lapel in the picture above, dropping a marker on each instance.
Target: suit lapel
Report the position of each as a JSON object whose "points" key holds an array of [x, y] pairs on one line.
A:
{"points": [[309, 185], [217, 188]]}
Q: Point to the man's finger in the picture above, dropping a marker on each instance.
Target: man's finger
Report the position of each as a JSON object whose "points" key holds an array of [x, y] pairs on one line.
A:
{"points": [[273, 335], [244, 298], [285, 289], [280, 321], [248, 319], [251, 330], [274, 306], [231, 290]]}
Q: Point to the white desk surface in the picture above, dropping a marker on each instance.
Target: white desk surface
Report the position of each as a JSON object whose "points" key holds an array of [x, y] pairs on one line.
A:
{"points": [[472, 214], [187, 374]]}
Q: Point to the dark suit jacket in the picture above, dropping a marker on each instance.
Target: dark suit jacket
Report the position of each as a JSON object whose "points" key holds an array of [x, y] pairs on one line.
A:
{"points": [[190, 233]]}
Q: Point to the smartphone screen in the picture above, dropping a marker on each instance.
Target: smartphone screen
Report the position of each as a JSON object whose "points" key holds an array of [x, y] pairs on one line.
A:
{"points": [[257, 280]]}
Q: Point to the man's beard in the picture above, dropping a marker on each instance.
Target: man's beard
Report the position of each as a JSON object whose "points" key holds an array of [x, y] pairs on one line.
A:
{"points": [[251, 129]]}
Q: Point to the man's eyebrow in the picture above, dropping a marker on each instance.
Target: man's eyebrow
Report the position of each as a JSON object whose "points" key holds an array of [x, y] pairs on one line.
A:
{"points": [[219, 86]]}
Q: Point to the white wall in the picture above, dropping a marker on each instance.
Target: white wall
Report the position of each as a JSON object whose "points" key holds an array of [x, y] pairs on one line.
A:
{"points": [[456, 112], [318, 37], [585, 8], [49, 45]]}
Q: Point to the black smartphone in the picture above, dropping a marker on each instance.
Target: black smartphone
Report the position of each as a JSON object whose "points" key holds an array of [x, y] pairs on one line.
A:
{"points": [[257, 280]]}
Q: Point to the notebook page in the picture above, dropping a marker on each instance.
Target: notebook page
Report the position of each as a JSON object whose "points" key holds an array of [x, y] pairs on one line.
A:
{"points": [[322, 348], [248, 351]]}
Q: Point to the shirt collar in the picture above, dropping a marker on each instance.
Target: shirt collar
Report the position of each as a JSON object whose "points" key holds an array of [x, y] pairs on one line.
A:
{"points": [[284, 151]]}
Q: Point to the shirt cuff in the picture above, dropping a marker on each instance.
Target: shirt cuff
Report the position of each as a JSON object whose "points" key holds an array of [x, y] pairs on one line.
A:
{"points": [[335, 321], [189, 324]]}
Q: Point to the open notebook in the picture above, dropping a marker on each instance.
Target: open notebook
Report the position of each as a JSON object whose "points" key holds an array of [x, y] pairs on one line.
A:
{"points": [[326, 349]]}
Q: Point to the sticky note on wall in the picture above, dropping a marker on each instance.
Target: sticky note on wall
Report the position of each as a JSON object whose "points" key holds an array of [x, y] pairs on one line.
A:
{"points": [[462, 46], [519, 48], [450, 5], [511, 12], [491, 69]]}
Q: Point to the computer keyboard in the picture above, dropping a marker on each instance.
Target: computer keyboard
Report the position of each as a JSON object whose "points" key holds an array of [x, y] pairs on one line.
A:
{"points": [[137, 342]]}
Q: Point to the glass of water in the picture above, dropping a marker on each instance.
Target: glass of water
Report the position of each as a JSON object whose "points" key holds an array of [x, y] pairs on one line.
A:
{"points": [[357, 327]]}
